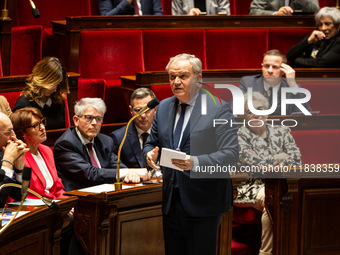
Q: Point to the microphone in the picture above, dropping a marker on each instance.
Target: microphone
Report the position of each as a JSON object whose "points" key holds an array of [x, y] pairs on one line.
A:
{"points": [[26, 178], [35, 11], [152, 104], [51, 204], [2, 175]]}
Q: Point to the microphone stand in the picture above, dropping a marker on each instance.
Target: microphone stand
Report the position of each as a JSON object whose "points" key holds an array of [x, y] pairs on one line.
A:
{"points": [[4, 11], [50, 204], [118, 184]]}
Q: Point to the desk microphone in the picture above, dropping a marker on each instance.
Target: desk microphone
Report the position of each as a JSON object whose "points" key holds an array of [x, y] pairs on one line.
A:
{"points": [[152, 104], [35, 11], [26, 178], [51, 204]]}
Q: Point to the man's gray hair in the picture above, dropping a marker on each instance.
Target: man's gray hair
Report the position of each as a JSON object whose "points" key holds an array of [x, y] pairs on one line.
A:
{"points": [[84, 103], [141, 93], [196, 63], [331, 12], [256, 96]]}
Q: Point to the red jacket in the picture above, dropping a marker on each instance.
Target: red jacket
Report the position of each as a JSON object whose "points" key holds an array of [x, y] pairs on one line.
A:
{"points": [[38, 182]]}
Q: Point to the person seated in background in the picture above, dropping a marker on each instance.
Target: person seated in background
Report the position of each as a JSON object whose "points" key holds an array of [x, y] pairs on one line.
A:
{"points": [[29, 126], [282, 7], [83, 156], [274, 67], [130, 7], [138, 132], [321, 48], [262, 144], [197, 7], [44, 90], [4, 106], [12, 154]]}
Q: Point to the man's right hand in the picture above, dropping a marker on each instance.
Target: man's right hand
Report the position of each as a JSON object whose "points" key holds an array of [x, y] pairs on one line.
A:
{"points": [[194, 11], [284, 11], [151, 158], [14, 152]]}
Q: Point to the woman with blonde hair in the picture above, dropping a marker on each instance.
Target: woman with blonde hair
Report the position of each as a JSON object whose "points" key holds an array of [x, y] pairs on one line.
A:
{"points": [[45, 90]]}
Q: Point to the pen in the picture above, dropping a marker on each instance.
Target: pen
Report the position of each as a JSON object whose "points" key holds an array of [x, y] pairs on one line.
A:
{"points": [[153, 173]]}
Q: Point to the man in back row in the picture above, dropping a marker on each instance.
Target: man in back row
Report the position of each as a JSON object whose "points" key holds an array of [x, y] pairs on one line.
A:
{"points": [[274, 67], [82, 155], [138, 132], [282, 7]]}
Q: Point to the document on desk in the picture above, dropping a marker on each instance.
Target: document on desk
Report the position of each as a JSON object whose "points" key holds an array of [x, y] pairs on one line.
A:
{"points": [[103, 188], [168, 154]]}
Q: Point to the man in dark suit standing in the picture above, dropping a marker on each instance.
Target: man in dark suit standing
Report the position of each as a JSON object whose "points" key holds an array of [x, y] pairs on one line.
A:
{"points": [[192, 207], [130, 7], [12, 159], [274, 67], [138, 131], [82, 155]]}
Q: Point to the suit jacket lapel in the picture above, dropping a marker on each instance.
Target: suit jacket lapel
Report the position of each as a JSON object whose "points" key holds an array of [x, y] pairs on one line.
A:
{"points": [[135, 144], [34, 166]]}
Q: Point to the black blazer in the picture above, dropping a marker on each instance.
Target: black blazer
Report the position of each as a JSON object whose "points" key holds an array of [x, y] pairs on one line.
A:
{"points": [[74, 164], [327, 57], [131, 154], [201, 197]]}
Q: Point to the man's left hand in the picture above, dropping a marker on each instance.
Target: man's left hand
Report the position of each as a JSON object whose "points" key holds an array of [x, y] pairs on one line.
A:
{"points": [[290, 74], [186, 164]]}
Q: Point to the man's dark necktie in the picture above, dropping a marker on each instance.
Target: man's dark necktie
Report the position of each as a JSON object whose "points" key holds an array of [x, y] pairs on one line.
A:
{"points": [[144, 136], [179, 127], [93, 160]]}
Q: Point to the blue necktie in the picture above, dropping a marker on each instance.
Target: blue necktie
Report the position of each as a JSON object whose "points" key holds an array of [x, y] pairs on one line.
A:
{"points": [[179, 127]]}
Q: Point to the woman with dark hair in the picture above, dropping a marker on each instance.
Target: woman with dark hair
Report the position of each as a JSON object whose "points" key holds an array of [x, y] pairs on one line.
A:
{"points": [[321, 48], [44, 91], [29, 125]]}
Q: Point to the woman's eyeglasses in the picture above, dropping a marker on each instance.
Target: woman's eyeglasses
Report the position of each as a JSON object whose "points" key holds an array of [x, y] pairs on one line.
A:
{"points": [[37, 125]]}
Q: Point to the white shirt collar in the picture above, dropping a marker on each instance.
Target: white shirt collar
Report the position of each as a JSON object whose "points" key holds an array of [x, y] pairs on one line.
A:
{"points": [[82, 138], [41, 104], [140, 132], [267, 86]]}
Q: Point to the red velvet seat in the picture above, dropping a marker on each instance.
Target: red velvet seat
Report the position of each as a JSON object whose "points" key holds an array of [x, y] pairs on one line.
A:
{"points": [[108, 55], [318, 146], [324, 96], [162, 91], [25, 49], [160, 45], [238, 7], [235, 48], [284, 38], [330, 3], [246, 215]]}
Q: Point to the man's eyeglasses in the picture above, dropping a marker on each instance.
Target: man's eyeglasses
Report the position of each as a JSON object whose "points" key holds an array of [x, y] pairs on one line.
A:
{"points": [[137, 110], [89, 119], [37, 126], [261, 108], [7, 133]]}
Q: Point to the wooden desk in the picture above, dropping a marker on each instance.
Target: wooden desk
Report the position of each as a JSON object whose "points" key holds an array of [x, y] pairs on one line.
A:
{"points": [[37, 232], [305, 213], [129, 222]]}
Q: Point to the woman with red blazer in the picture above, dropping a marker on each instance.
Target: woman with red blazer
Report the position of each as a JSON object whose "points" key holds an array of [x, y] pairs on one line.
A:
{"points": [[29, 124]]}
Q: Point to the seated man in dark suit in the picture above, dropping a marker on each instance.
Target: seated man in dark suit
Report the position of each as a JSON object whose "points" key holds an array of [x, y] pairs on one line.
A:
{"points": [[130, 7], [12, 159], [282, 7], [274, 67], [138, 132], [82, 155]]}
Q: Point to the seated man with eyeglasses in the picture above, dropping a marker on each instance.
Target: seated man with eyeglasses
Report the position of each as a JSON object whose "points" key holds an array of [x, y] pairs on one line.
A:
{"points": [[138, 131], [83, 156], [274, 68], [12, 154]]}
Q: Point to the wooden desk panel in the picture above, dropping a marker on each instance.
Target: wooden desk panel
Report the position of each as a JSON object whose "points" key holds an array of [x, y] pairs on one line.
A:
{"points": [[37, 232], [129, 222]]}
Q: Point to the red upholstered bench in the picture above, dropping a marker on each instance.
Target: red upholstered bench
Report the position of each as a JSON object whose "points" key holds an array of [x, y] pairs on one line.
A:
{"points": [[324, 95], [235, 48], [318, 146], [108, 55], [25, 49], [238, 7], [284, 38], [160, 45]]}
